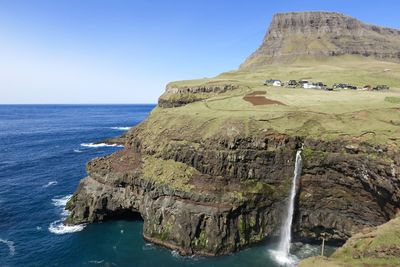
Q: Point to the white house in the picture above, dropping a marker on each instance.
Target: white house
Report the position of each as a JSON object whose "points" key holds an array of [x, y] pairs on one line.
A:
{"points": [[273, 82], [277, 83], [309, 86]]}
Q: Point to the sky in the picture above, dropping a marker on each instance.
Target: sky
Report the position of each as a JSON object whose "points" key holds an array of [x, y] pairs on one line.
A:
{"points": [[116, 51]]}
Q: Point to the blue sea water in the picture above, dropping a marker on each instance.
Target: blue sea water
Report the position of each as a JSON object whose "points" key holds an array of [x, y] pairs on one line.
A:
{"points": [[41, 163]]}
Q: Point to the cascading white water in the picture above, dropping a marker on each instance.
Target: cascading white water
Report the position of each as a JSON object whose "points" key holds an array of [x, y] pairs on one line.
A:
{"points": [[282, 255]]}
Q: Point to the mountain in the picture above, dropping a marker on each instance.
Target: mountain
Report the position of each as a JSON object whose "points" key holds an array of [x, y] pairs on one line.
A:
{"points": [[319, 34], [210, 169]]}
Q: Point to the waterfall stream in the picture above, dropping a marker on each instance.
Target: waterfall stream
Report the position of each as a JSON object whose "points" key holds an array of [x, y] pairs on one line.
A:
{"points": [[282, 255]]}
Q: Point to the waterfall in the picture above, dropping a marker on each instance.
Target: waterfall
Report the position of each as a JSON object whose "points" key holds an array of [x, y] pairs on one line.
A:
{"points": [[282, 255]]}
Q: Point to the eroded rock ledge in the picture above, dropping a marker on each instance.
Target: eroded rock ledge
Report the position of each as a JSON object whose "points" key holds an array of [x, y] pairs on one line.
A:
{"points": [[216, 196], [176, 95]]}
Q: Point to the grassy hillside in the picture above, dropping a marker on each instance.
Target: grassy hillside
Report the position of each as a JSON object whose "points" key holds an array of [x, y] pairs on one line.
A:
{"points": [[374, 247], [373, 116], [355, 70]]}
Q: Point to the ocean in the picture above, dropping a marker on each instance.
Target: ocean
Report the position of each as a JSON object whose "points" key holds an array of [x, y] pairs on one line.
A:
{"points": [[43, 152]]}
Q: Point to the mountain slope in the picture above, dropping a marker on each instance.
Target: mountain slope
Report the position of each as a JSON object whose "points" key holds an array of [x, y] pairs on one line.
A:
{"points": [[317, 34]]}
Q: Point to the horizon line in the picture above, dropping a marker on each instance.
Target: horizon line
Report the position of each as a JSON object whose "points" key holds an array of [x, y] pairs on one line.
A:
{"points": [[22, 104]]}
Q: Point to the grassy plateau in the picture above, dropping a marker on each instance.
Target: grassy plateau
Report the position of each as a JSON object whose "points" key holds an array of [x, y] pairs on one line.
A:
{"points": [[368, 115]]}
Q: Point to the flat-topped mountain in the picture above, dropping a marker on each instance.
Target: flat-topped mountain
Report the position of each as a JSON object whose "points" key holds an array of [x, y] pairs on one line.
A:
{"points": [[210, 169], [316, 34]]}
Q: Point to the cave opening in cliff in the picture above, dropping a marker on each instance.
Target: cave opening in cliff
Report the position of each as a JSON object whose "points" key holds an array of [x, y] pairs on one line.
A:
{"points": [[124, 215]]}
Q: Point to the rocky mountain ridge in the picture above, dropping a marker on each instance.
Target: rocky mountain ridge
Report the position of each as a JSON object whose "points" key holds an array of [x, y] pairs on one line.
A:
{"points": [[317, 34]]}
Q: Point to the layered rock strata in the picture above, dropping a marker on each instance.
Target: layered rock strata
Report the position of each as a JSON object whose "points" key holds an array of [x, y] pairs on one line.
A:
{"points": [[218, 196], [316, 34]]}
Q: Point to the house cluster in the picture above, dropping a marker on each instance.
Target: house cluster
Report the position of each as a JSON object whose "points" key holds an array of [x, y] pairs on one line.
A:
{"points": [[320, 85], [296, 84]]}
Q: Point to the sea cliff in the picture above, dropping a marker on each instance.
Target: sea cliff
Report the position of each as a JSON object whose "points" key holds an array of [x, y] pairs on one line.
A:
{"points": [[209, 172]]}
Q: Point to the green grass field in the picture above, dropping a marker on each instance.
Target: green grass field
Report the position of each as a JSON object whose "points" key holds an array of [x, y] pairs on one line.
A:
{"points": [[368, 115]]}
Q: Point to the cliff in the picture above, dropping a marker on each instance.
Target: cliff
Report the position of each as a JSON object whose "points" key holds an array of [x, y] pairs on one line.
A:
{"points": [[209, 171], [317, 34]]}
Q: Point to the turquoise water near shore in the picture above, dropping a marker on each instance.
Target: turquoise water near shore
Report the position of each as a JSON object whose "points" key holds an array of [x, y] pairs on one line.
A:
{"points": [[43, 152]]}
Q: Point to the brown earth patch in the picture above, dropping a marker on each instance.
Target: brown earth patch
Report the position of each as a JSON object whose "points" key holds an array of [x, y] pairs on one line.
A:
{"points": [[257, 93], [257, 98]]}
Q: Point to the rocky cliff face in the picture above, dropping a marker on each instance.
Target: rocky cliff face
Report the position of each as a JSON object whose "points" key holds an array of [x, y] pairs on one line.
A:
{"points": [[316, 34], [219, 195]]}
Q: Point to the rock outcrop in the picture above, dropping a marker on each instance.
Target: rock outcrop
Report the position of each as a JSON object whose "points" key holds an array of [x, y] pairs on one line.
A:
{"points": [[317, 34], [176, 96]]}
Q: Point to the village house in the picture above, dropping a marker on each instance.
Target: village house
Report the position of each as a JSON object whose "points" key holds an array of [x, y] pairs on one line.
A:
{"points": [[344, 86], [380, 87], [311, 85], [273, 82], [301, 83], [291, 84]]}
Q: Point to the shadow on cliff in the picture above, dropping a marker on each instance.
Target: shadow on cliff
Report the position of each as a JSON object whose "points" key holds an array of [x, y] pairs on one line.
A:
{"points": [[123, 214]]}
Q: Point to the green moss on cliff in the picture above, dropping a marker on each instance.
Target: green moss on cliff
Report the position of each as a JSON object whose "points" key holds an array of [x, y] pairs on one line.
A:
{"points": [[257, 187], [311, 155], [241, 226], [201, 242], [175, 175]]}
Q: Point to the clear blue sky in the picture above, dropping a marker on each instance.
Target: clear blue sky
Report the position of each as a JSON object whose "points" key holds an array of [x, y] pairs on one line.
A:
{"points": [[94, 51]]}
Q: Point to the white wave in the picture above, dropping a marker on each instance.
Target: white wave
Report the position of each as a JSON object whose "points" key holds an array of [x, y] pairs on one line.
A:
{"points": [[10, 245], [121, 128], [93, 145], [59, 228], [78, 151], [61, 202], [175, 254], [50, 184], [38, 228]]}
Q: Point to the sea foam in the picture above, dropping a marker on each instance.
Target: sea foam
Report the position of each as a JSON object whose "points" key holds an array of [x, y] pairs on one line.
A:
{"points": [[10, 245], [61, 202], [58, 227], [121, 128], [93, 145]]}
